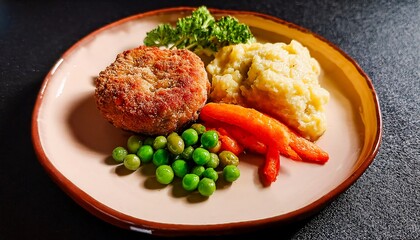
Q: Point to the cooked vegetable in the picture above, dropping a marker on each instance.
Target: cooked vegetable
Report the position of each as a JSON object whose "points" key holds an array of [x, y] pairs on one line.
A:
{"points": [[201, 156], [228, 143], [132, 162], [266, 130], [200, 128], [187, 153], [211, 173], [228, 158], [190, 181], [216, 148], [175, 144], [244, 139], [180, 167], [231, 173], [271, 166], [161, 157], [275, 135], [214, 161], [209, 139], [160, 142], [190, 136], [148, 141], [200, 32], [145, 153], [119, 153], [173, 159], [198, 170], [164, 174], [206, 187], [133, 143]]}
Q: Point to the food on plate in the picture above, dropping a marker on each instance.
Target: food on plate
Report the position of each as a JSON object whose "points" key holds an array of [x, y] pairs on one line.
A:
{"points": [[152, 91], [276, 136], [195, 130], [164, 174], [231, 173], [200, 32], [228, 142], [132, 162], [186, 155], [276, 78], [266, 130]]}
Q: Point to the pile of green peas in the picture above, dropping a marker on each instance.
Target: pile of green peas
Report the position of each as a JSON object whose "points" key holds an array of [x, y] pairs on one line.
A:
{"points": [[194, 155]]}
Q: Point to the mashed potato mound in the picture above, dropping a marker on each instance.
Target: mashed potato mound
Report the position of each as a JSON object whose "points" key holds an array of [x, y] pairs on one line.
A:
{"points": [[275, 78]]}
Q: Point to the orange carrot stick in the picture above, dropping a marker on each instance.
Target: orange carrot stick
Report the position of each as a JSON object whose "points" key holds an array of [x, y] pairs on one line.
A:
{"points": [[229, 143], [248, 140], [308, 151], [243, 137], [271, 166]]}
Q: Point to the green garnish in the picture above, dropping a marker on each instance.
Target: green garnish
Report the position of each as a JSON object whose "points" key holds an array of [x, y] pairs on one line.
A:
{"points": [[200, 32]]}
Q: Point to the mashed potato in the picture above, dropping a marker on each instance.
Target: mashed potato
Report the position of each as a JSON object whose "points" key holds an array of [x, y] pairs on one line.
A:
{"points": [[276, 78]]}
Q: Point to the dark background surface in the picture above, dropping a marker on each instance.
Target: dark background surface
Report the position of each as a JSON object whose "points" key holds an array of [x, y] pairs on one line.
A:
{"points": [[382, 36]]}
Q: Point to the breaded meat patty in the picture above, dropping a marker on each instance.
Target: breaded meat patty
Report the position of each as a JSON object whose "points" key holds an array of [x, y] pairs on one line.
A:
{"points": [[152, 91]]}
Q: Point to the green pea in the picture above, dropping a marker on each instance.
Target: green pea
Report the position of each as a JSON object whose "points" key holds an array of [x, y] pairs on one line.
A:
{"points": [[190, 181], [132, 162], [206, 187], [145, 153], [160, 142], [211, 173], [228, 158], [148, 141], [175, 144], [180, 167], [190, 136], [198, 170], [172, 134], [164, 174], [209, 139], [216, 148], [160, 157], [213, 162], [201, 156], [231, 173], [187, 153], [119, 153], [133, 143], [199, 128]]}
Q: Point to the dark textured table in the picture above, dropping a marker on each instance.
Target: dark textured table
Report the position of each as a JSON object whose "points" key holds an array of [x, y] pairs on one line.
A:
{"points": [[382, 36]]}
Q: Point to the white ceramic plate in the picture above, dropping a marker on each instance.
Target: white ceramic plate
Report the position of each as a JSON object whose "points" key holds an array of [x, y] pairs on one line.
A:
{"points": [[74, 142]]}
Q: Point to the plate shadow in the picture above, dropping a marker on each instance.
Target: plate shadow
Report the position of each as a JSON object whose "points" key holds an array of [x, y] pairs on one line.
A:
{"points": [[90, 129]]}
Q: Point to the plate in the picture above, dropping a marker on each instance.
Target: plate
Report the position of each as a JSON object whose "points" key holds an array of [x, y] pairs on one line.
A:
{"points": [[74, 143]]}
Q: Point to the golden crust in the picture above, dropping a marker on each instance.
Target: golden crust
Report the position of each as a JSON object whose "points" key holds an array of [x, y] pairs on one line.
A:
{"points": [[152, 91]]}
